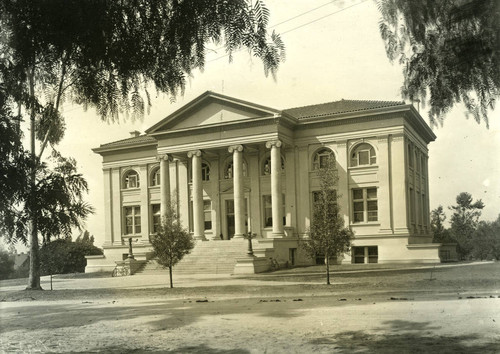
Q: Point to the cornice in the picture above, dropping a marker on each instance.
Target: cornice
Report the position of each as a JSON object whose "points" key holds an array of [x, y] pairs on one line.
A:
{"points": [[217, 144], [130, 162], [101, 150]]}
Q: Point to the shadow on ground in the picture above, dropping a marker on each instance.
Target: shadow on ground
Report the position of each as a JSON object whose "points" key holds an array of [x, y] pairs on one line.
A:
{"points": [[405, 337], [187, 349]]}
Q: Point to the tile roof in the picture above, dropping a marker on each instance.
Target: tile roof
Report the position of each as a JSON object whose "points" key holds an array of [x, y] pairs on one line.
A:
{"points": [[337, 107], [129, 141]]}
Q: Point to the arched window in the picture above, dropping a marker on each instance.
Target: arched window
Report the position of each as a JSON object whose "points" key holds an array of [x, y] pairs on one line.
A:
{"points": [[155, 177], [205, 172], [266, 166], [131, 180], [229, 169], [321, 158], [363, 155]]}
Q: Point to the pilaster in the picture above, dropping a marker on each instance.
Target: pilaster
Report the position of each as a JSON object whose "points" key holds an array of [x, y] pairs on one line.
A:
{"points": [[399, 186], [145, 210], [108, 207], [343, 175], [384, 191], [116, 206]]}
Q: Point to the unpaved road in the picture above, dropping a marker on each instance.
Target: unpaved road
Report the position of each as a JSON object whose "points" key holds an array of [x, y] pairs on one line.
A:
{"points": [[396, 312], [313, 325]]}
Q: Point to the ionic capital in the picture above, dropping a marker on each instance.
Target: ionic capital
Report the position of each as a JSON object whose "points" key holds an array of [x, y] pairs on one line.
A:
{"points": [[165, 157], [272, 143], [192, 153], [233, 148]]}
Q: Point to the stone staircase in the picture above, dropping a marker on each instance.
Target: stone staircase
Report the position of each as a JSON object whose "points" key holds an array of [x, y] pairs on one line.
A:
{"points": [[207, 257]]}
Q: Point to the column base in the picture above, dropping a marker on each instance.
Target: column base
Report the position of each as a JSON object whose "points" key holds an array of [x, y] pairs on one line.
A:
{"points": [[200, 238], [238, 237], [278, 235]]}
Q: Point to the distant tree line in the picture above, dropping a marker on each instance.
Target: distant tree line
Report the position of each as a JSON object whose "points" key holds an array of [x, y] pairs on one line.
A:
{"points": [[475, 239]]}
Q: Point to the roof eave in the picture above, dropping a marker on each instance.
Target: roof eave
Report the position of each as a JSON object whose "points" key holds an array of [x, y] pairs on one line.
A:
{"points": [[103, 149]]}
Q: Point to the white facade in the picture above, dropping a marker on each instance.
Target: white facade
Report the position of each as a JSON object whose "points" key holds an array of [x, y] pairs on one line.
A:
{"points": [[232, 166]]}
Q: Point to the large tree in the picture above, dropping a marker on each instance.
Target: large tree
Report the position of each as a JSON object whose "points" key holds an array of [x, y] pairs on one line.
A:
{"points": [[449, 51], [110, 54], [464, 222], [327, 235]]}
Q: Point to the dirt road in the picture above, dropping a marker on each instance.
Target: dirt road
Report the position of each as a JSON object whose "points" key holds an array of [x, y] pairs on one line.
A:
{"points": [[259, 315]]}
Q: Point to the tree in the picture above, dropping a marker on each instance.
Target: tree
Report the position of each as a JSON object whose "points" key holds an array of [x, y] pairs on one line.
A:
{"points": [[328, 237], [487, 240], [464, 222], [441, 234], [449, 50], [14, 168], [6, 264], [171, 242], [63, 256], [109, 54]]}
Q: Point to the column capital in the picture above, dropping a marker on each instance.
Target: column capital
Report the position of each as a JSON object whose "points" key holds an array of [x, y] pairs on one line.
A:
{"points": [[272, 143], [192, 153], [165, 157], [233, 148]]}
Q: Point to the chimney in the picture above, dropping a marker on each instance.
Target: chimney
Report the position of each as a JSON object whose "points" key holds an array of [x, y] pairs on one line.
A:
{"points": [[135, 133]]}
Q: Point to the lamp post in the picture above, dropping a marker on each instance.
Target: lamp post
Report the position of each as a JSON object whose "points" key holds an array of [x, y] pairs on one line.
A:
{"points": [[249, 237], [130, 253]]}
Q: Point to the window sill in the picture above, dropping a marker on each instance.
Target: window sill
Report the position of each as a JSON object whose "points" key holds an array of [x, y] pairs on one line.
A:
{"points": [[367, 223], [131, 189], [374, 166]]}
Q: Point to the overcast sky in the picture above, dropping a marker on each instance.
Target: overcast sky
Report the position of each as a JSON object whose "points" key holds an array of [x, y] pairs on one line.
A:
{"points": [[339, 56]]}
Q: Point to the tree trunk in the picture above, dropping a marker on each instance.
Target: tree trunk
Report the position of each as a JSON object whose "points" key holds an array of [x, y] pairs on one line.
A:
{"points": [[170, 273], [34, 276], [327, 261]]}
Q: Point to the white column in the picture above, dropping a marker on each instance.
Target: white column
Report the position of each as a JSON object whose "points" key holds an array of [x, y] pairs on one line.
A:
{"points": [[198, 221], [276, 193], [165, 199], [239, 197]]}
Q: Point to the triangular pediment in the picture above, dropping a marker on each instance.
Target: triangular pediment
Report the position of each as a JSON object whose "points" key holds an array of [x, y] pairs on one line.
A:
{"points": [[209, 109]]}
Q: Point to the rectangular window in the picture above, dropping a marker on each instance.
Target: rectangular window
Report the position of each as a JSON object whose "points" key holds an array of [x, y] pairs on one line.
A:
{"points": [[367, 254], [267, 208], [132, 220], [364, 204], [156, 217], [207, 213], [364, 157]]}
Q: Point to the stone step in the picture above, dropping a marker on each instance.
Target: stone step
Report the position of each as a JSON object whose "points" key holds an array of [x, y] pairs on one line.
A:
{"points": [[210, 257]]}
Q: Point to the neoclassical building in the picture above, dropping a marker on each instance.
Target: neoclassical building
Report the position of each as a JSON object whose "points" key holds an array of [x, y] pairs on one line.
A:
{"points": [[232, 167]]}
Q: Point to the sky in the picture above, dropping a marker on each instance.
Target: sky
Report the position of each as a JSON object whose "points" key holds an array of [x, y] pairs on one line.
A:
{"points": [[333, 52]]}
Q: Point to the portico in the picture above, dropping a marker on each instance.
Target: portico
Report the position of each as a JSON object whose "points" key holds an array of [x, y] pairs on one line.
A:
{"points": [[224, 188]]}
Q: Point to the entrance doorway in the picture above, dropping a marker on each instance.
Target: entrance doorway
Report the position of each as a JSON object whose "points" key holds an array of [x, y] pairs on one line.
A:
{"points": [[230, 217]]}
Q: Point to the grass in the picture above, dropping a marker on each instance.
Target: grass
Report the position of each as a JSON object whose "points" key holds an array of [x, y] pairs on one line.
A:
{"points": [[479, 278]]}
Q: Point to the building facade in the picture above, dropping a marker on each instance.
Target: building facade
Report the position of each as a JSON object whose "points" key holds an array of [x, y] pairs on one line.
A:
{"points": [[232, 167]]}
